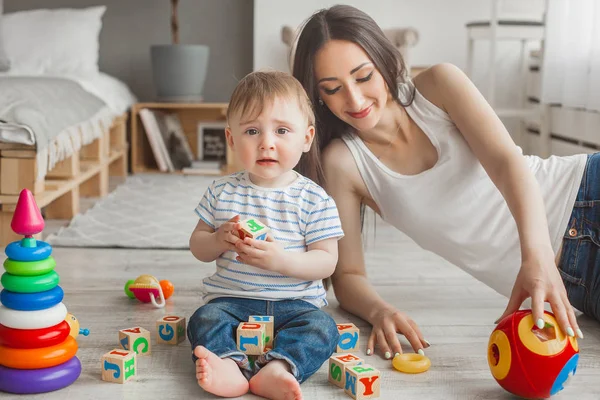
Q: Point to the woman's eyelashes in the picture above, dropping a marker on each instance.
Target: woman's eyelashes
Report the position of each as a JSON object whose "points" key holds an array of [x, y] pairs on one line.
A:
{"points": [[359, 80]]}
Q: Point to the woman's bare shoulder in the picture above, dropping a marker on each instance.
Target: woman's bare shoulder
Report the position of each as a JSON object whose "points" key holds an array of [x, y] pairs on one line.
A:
{"points": [[430, 81], [338, 162]]}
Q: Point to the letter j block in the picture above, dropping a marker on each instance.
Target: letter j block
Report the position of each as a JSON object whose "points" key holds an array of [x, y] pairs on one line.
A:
{"points": [[349, 338], [136, 339], [362, 382], [251, 338], [118, 366], [337, 367], [170, 329]]}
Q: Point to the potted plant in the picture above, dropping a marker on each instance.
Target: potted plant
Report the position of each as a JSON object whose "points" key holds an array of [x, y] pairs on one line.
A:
{"points": [[179, 71]]}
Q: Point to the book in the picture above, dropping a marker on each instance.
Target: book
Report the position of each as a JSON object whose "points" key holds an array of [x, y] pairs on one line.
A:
{"points": [[203, 167], [156, 140], [177, 143]]}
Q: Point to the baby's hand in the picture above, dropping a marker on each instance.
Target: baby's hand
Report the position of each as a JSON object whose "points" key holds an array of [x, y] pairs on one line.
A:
{"points": [[227, 234], [265, 254]]}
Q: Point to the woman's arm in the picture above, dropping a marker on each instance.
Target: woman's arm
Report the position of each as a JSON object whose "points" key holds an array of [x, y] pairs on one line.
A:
{"points": [[352, 289], [449, 88]]}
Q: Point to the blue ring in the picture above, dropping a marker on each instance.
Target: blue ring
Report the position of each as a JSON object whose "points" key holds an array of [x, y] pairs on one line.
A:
{"points": [[31, 301], [17, 252]]}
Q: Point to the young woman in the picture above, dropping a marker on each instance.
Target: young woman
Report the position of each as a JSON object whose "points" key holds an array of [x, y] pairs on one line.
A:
{"points": [[431, 157]]}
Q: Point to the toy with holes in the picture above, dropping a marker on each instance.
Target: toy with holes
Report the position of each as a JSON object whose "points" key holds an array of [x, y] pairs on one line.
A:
{"points": [[349, 338], [118, 366], [253, 229], [251, 338], [530, 362], [136, 339], [170, 329], [37, 338], [362, 382], [337, 367], [146, 288], [269, 322]]}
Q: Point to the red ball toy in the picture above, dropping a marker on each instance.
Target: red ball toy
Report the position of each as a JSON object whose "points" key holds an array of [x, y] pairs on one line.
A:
{"points": [[530, 362]]}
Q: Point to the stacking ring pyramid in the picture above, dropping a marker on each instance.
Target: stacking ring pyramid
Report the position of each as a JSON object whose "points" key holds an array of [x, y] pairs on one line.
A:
{"points": [[37, 344]]}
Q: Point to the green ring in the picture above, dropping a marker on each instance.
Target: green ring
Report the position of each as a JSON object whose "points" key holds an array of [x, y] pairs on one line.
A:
{"points": [[29, 284], [29, 268], [128, 292]]}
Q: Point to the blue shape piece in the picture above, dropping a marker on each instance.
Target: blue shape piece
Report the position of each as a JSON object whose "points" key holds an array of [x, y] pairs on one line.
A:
{"points": [[563, 376], [16, 252], [32, 301]]}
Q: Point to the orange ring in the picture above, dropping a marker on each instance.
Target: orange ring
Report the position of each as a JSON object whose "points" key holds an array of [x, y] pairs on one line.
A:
{"points": [[42, 357], [411, 363]]}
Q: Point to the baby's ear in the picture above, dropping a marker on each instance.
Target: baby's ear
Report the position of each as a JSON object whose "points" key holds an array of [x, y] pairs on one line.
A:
{"points": [[229, 137], [308, 138]]}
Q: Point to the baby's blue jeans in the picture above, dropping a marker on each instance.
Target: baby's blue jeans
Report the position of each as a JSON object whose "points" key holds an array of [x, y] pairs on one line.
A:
{"points": [[579, 263], [305, 336]]}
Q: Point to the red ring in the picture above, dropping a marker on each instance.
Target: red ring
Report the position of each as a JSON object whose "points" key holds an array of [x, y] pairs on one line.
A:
{"points": [[34, 338]]}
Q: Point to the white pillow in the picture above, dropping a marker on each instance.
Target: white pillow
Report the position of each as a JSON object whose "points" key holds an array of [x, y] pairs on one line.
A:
{"points": [[53, 42], [4, 61]]}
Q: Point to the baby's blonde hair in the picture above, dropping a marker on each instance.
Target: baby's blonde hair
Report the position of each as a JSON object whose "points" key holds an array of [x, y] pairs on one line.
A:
{"points": [[260, 88]]}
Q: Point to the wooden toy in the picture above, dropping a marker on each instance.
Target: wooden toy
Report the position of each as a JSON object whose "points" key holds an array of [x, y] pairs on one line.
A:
{"points": [[253, 228], [136, 339], [337, 367], [349, 335], [118, 366], [251, 338], [362, 382], [268, 322], [170, 329], [530, 362]]}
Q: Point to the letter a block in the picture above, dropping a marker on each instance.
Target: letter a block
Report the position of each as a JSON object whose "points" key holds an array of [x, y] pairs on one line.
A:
{"points": [[118, 366], [349, 335], [251, 338], [337, 367], [136, 339], [253, 228], [268, 322], [170, 329], [362, 382]]}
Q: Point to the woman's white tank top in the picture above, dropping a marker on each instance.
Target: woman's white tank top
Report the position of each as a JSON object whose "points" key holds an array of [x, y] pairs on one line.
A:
{"points": [[454, 209]]}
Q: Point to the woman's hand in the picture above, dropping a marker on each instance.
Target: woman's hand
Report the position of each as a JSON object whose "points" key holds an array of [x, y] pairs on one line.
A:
{"points": [[540, 280], [265, 254], [227, 235], [387, 323]]}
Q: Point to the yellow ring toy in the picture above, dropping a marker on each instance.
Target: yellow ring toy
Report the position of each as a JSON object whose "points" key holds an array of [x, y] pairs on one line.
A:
{"points": [[43, 357], [411, 363]]}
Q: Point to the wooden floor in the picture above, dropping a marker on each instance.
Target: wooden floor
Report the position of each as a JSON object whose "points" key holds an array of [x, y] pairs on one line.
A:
{"points": [[455, 312]]}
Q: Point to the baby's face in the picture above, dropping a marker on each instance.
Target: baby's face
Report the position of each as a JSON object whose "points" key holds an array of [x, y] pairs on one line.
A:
{"points": [[270, 145]]}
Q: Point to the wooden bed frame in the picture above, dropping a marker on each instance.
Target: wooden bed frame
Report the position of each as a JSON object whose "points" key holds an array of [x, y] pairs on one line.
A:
{"points": [[84, 173]]}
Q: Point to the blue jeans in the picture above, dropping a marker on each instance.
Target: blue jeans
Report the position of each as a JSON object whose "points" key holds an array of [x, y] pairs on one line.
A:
{"points": [[305, 336], [579, 263]]}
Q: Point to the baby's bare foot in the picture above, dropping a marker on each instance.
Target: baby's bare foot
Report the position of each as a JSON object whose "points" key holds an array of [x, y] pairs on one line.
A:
{"points": [[220, 376], [275, 381]]}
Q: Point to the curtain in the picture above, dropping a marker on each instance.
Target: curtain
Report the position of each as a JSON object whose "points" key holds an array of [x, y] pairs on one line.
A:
{"points": [[571, 65]]}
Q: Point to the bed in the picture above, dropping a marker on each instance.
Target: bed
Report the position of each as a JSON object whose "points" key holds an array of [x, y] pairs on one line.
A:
{"points": [[62, 121]]}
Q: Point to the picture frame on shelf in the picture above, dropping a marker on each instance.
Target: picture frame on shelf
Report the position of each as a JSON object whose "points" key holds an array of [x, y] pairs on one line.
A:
{"points": [[212, 144]]}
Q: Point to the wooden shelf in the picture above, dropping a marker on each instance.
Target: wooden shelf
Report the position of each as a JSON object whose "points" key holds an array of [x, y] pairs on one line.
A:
{"points": [[190, 114]]}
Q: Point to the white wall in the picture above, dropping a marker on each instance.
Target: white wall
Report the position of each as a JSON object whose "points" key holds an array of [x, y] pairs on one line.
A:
{"points": [[441, 26]]}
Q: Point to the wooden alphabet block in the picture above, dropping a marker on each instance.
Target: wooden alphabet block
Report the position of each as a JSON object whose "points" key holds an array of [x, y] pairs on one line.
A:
{"points": [[170, 329], [268, 322], [253, 228], [337, 367], [349, 338], [118, 366], [136, 339], [251, 338], [362, 382]]}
